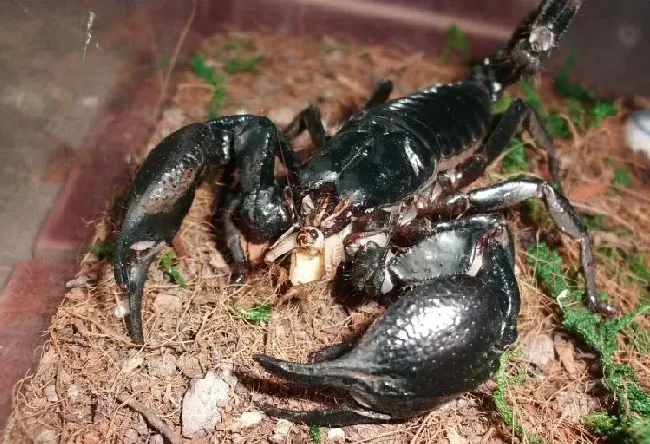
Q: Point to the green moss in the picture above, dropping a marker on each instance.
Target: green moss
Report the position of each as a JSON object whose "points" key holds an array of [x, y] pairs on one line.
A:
{"points": [[260, 313], [601, 335], [218, 82], [241, 64], [600, 423], [530, 93], [103, 250], [314, 433], [594, 221], [456, 42], [506, 411], [602, 109], [622, 178], [515, 162], [564, 87], [501, 105], [166, 265]]}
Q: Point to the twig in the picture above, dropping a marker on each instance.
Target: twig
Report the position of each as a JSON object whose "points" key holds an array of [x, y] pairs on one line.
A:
{"points": [[151, 418], [172, 61], [422, 426]]}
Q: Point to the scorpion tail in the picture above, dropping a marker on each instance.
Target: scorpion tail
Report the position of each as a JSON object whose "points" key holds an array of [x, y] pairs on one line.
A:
{"points": [[529, 47]]}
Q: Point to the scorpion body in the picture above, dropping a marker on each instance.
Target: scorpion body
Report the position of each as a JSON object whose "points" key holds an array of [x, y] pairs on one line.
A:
{"points": [[457, 298]]}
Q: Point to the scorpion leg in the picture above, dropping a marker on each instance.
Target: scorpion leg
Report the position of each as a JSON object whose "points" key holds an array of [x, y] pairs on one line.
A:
{"points": [[442, 338], [164, 187], [237, 259], [519, 114], [441, 250], [514, 191], [308, 119], [380, 94]]}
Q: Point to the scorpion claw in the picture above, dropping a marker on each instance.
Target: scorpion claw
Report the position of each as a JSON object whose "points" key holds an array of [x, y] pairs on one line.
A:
{"points": [[131, 267], [338, 416]]}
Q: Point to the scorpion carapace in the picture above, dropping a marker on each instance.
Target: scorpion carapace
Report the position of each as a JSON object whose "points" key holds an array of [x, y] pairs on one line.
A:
{"points": [[407, 158]]}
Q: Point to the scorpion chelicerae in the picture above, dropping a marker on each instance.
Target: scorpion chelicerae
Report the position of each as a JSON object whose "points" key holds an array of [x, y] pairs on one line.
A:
{"points": [[393, 165]]}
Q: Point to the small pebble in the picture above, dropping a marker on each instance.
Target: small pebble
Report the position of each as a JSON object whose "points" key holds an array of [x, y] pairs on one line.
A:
{"points": [[122, 309], [200, 413], [76, 283], [166, 303], [162, 366], [637, 131], [281, 431], [130, 436], [249, 419], [157, 439], [47, 436], [141, 426], [132, 364], [336, 435], [50, 393], [142, 245], [282, 116], [90, 102], [539, 350], [190, 366], [74, 392]]}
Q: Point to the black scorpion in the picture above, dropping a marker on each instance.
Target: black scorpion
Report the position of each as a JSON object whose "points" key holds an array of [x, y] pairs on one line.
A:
{"points": [[408, 157]]}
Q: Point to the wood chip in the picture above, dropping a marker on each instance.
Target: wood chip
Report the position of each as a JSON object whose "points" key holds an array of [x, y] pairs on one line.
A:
{"points": [[565, 351]]}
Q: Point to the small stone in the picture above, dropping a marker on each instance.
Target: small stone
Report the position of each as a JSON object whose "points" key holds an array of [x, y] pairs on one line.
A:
{"points": [[130, 436], [249, 419], [539, 350], [637, 131], [200, 413], [47, 436], [172, 119], [122, 309], [175, 398], [157, 439], [264, 87], [132, 364], [281, 431], [336, 435], [50, 393], [282, 116], [73, 393], [166, 303], [575, 405], [78, 282], [162, 366], [142, 245], [141, 425], [190, 366], [90, 102], [237, 438]]}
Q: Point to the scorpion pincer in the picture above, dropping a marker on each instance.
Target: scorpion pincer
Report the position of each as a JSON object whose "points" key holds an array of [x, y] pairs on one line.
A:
{"points": [[391, 166]]}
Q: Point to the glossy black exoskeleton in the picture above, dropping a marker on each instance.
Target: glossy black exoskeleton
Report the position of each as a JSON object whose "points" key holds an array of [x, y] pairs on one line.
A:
{"points": [[412, 154], [455, 314]]}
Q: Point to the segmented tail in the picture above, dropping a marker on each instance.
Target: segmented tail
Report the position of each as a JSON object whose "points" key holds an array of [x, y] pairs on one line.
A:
{"points": [[528, 48]]}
